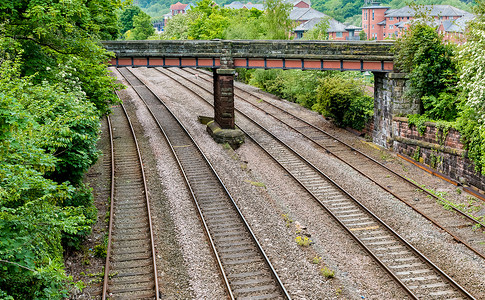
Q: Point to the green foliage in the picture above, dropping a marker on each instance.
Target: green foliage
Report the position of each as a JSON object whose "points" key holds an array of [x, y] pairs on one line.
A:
{"points": [[65, 34], [245, 24], [126, 17], [31, 220], [54, 86], [432, 70], [277, 20], [142, 27], [471, 120], [327, 273], [209, 21], [418, 121], [178, 27], [333, 94], [344, 101], [303, 241]]}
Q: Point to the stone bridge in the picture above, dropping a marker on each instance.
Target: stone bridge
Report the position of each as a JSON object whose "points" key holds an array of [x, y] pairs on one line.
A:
{"points": [[224, 56]]}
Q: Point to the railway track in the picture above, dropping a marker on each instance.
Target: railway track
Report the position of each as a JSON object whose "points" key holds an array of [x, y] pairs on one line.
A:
{"points": [[413, 195], [245, 268], [415, 273], [130, 270]]}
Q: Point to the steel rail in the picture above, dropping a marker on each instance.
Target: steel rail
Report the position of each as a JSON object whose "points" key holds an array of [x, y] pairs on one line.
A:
{"points": [[412, 248], [431, 219], [152, 243], [464, 214], [111, 211], [246, 225]]}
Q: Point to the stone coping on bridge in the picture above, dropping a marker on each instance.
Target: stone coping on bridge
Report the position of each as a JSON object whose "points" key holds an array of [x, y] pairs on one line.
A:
{"points": [[284, 54]]}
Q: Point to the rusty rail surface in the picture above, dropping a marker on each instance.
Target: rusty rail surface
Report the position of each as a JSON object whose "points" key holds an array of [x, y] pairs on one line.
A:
{"points": [[130, 269]]}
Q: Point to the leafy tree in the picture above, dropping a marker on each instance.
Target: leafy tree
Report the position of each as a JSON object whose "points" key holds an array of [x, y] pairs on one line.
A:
{"points": [[471, 120], [33, 216], [245, 24], [63, 33], [319, 32], [54, 86], [362, 35], [178, 26], [207, 27], [126, 17], [143, 27], [432, 70], [277, 19]]}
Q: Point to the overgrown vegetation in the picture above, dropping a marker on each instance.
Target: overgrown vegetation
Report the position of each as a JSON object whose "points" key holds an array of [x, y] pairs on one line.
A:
{"points": [[449, 81], [340, 96], [53, 89]]}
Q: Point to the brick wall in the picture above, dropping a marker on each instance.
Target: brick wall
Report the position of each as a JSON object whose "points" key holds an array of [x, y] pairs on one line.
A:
{"points": [[447, 155]]}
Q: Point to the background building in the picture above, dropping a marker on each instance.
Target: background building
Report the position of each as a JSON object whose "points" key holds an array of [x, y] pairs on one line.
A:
{"points": [[381, 22]]}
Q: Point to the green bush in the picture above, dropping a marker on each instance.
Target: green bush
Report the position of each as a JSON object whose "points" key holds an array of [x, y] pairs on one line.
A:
{"points": [[344, 101]]}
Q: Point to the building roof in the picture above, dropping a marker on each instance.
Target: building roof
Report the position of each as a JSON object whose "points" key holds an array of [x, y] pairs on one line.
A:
{"points": [[178, 6], [234, 5], [257, 6], [432, 10], [373, 4], [239, 5], [295, 2], [305, 14], [458, 25], [334, 25]]}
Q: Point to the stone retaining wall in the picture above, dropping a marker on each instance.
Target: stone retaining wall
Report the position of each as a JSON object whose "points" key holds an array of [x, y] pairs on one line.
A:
{"points": [[444, 154]]}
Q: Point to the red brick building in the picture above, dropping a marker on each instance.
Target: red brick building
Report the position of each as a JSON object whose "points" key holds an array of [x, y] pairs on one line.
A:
{"points": [[381, 22], [178, 8]]}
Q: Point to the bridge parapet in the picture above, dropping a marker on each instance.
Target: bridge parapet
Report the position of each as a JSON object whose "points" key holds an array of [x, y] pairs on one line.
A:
{"points": [[268, 54]]}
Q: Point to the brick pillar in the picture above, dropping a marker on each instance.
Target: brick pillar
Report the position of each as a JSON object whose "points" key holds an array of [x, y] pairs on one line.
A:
{"points": [[389, 101], [224, 98]]}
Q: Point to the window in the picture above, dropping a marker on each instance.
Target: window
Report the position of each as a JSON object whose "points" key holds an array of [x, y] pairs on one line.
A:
{"points": [[372, 26], [391, 26], [339, 34], [384, 34], [372, 14], [391, 18]]}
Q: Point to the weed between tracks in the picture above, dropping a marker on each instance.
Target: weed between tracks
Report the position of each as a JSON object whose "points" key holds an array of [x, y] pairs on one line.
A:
{"points": [[327, 273], [469, 208], [303, 241]]}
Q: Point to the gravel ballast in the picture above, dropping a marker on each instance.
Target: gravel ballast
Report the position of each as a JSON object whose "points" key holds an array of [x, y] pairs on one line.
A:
{"points": [[278, 210]]}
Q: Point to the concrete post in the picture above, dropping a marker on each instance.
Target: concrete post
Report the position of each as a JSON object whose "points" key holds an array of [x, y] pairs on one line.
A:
{"points": [[389, 101]]}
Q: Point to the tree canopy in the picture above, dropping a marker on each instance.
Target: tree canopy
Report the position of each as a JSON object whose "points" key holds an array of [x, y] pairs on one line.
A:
{"points": [[209, 21], [54, 86]]}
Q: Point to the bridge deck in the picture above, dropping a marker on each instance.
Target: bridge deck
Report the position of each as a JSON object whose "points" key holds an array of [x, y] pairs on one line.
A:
{"points": [[311, 55]]}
